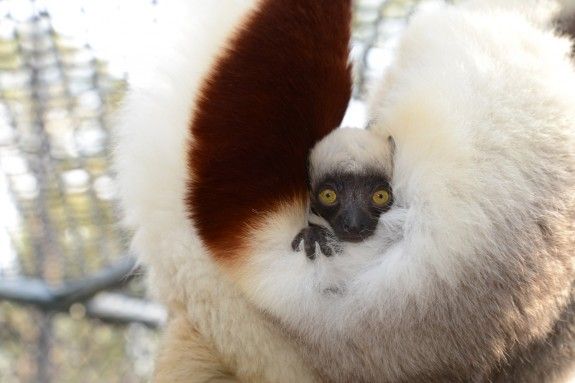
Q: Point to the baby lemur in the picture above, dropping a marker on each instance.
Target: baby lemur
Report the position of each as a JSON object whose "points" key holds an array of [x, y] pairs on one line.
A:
{"points": [[347, 197]]}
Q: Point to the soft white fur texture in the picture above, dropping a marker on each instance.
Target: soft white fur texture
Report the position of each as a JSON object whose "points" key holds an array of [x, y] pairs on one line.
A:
{"points": [[152, 139], [277, 277], [472, 260], [474, 113], [480, 101], [350, 150]]}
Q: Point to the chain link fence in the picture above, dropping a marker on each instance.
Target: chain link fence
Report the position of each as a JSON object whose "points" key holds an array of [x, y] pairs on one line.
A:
{"points": [[71, 307]]}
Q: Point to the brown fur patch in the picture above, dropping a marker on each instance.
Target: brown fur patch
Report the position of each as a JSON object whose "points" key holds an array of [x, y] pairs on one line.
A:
{"points": [[283, 84]]}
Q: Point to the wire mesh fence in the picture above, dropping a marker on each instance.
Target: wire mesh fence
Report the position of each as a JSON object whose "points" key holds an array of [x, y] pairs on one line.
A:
{"points": [[69, 312]]}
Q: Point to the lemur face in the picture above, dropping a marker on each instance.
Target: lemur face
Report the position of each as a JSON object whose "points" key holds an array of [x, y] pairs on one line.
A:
{"points": [[351, 203]]}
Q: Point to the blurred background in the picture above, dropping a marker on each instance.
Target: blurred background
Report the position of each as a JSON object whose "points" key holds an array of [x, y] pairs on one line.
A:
{"points": [[72, 306]]}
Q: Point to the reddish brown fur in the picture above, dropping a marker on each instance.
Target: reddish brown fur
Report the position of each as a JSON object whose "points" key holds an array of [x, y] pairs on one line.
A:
{"points": [[283, 84]]}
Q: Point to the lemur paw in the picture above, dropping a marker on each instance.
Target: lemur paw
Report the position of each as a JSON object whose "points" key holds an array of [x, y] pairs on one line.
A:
{"points": [[312, 235]]}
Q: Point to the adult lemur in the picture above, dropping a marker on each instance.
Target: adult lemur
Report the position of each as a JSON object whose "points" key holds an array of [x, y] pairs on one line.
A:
{"points": [[467, 277]]}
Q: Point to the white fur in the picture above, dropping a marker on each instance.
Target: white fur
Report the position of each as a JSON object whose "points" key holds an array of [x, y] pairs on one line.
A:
{"points": [[350, 150], [484, 128], [461, 149], [480, 101], [152, 138]]}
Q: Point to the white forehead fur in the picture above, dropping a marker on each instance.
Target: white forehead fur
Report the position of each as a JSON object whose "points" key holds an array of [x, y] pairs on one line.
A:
{"points": [[349, 150]]}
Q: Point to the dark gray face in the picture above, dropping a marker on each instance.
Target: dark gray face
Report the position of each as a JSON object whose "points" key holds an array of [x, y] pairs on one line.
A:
{"points": [[352, 203]]}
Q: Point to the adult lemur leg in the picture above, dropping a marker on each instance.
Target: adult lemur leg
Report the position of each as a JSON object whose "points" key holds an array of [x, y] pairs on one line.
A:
{"points": [[186, 357]]}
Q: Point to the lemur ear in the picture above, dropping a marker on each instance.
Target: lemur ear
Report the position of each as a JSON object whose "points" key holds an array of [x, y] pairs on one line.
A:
{"points": [[281, 85]]}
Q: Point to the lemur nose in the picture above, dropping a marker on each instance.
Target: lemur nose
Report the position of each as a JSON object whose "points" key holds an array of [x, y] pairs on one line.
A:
{"points": [[353, 226]]}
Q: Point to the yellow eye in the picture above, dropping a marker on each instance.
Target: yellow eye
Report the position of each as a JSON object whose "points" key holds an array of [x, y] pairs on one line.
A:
{"points": [[328, 197], [380, 197]]}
